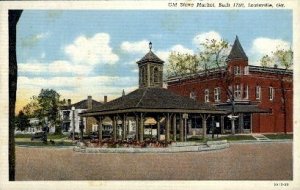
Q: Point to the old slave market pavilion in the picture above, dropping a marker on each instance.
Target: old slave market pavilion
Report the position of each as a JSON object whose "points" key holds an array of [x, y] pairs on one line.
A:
{"points": [[151, 100]]}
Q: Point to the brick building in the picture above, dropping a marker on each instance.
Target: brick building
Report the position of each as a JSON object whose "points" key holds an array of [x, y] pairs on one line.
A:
{"points": [[262, 96]]}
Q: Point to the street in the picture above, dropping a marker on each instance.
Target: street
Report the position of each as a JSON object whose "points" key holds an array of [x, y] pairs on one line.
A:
{"points": [[257, 161]]}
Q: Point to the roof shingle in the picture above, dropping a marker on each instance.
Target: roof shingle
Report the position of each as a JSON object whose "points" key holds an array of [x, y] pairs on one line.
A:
{"points": [[237, 51]]}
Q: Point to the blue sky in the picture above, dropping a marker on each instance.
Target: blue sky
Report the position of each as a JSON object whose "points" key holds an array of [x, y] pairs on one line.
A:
{"points": [[81, 53]]}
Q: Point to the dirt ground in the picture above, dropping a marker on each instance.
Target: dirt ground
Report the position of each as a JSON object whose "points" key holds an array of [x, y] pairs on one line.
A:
{"points": [[268, 161]]}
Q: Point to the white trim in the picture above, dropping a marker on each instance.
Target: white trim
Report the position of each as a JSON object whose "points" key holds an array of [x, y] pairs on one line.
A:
{"points": [[206, 95], [258, 92]]}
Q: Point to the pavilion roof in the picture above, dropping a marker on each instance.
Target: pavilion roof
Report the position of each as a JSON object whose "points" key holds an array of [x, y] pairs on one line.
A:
{"points": [[150, 57], [154, 99]]}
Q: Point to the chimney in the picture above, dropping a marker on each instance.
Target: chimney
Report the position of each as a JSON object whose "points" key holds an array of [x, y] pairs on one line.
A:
{"points": [[69, 102], [105, 99], [123, 93], [89, 102]]}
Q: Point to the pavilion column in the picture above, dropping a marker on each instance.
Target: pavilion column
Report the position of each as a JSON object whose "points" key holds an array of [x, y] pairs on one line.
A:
{"points": [[99, 122], [204, 117], [141, 128], [158, 128], [241, 122], [114, 128], [124, 127], [168, 128], [222, 124], [174, 128], [136, 128], [181, 129]]}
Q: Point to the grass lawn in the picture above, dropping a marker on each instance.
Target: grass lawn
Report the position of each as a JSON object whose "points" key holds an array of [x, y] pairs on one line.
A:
{"points": [[235, 137], [50, 136], [279, 136], [39, 143]]}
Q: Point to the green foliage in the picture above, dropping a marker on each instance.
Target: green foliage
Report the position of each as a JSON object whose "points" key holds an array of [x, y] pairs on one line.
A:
{"points": [[182, 64], [212, 54], [22, 121], [282, 58], [45, 105], [266, 61]]}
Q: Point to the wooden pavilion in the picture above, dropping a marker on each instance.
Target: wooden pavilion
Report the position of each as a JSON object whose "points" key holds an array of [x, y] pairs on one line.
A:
{"points": [[152, 100]]}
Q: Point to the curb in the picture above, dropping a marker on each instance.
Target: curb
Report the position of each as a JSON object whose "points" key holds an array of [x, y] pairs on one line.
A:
{"points": [[171, 149]]}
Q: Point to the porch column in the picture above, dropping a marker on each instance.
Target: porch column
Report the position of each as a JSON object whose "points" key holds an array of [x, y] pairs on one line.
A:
{"points": [[124, 127], [222, 124], [99, 120], [241, 123], [181, 129], [158, 128], [114, 129], [136, 128], [141, 128], [174, 127], [168, 128]]}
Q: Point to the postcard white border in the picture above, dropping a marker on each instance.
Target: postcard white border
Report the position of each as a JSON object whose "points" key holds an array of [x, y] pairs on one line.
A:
{"points": [[134, 5]]}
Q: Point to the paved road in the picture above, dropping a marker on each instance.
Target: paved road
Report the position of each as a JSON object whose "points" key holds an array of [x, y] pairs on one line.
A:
{"points": [[265, 161]]}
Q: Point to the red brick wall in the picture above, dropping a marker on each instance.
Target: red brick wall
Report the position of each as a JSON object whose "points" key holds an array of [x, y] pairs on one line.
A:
{"points": [[264, 123]]}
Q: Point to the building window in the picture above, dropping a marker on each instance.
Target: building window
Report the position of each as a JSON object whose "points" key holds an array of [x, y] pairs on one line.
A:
{"points": [[246, 92], [258, 92], [237, 92], [193, 95], [271, 93], [217, 94], [237, 70], [246, 70], [206, 95]]}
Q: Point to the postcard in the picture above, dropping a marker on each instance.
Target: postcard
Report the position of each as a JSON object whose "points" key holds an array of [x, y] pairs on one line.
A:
{"points": [[149, 94]]}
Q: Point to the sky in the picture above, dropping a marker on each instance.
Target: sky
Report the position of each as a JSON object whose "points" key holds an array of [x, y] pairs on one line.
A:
{"points": [[88, 52]]}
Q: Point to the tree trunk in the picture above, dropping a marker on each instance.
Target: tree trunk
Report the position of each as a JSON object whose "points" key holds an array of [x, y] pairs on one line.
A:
{"points": [[13, 16], [283, 104]]}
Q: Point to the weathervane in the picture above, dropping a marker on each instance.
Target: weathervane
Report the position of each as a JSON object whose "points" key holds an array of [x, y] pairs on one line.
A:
{"points": [[150, 45]]}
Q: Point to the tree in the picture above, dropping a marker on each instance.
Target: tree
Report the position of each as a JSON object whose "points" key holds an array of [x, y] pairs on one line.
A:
{"points": [[284, 59], [182, 64], [212, 55], [31, 108], [22, 121], [45, 107]]}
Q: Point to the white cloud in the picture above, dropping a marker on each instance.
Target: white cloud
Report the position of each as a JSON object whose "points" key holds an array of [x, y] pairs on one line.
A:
{"points": [[181, 49], [32, 67], [265, 46], [138, 47], [164, 54], [77, 82], [94, 50], [67, 67], [203, 37], [59, 66]]}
